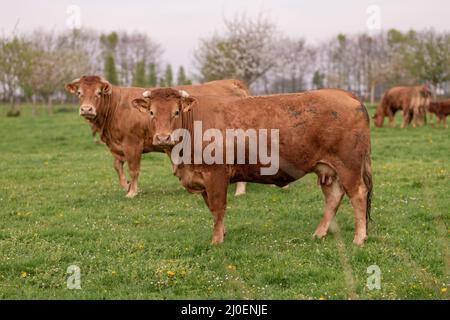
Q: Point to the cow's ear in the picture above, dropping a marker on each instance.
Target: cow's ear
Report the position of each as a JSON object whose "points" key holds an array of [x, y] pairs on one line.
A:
{"points": [[187, 103], [73, 86], [141, 104], [106, 87]]}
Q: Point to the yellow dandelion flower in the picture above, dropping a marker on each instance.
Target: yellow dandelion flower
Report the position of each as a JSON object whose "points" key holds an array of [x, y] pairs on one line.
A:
{"points": [[113, 273], [231, 267], [140, 246], [23, 274], [444, 290], [170, 274], [322, 298]]}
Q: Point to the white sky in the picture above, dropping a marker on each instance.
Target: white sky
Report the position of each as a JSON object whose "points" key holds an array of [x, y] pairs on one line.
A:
{"points": [[178, 25]]}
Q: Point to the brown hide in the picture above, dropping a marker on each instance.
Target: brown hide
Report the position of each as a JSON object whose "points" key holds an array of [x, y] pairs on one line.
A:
{"points": [[441, 109], [126, 130], [326, 132], [412, 101]]}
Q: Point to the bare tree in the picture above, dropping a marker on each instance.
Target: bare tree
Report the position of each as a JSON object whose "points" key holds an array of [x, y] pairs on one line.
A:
{"points": [[56, 60], [134, 49], [294, 66], [245, 51], [15, 66]]}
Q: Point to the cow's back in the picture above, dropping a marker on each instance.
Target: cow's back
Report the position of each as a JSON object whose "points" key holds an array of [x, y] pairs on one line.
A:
{"points": [[311, 123], [234, 88]]}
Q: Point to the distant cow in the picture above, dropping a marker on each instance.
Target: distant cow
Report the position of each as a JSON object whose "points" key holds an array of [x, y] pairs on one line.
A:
{"points": [[441, 109], [126, 130], [325, 132], [413, 101]]}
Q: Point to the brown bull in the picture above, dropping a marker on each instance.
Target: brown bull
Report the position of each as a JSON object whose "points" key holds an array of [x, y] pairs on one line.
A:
{"points": [[412, 101], [125, 130], [441, 109], [325, 132]]}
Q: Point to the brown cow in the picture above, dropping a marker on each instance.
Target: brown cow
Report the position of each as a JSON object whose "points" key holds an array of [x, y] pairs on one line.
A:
{"points": [[125, 130], [325, 132], [413, 101], [442, 110]]}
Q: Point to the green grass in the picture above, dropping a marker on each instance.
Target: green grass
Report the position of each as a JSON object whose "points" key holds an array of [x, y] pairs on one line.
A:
{"points": [[61, 205]]}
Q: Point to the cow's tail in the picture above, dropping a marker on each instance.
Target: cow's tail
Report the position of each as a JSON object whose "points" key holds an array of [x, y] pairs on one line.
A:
{"points": [[367, 178]]}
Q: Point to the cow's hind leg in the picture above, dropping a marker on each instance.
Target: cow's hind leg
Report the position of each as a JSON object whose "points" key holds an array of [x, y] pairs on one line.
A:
{"points": [[359, 204], [355, 186], [333, 193], [118, 166]]}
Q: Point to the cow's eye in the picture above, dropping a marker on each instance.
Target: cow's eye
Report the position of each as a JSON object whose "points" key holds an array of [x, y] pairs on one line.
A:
{"points": [[151, 113], [79, 93], [177, 113], [98, 93]]}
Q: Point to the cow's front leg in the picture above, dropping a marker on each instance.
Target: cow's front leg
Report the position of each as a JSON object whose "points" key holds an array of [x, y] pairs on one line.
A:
{"points": [[133, 156], [406, 118], [438, 122], [215, 197], [118, 166], [391, 121]]}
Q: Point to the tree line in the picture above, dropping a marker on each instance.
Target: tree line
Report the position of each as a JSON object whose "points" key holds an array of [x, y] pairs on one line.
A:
{"points": [[34, 67], [255, 51]]}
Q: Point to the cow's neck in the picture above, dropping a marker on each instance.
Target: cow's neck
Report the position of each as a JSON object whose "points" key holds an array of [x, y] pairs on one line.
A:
{"points": [[107, 111], [187, 120]]}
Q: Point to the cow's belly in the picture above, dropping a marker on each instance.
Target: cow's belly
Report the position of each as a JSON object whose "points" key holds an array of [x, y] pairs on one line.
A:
{"points": [[252, 173]]}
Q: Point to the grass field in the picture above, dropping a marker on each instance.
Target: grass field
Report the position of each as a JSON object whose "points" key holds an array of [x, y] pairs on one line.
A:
{"points": [[61, 205]]}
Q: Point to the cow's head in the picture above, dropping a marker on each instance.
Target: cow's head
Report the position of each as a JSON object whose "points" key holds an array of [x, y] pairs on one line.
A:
{"points": [[425, 91], [90, 90], [165, 108], [378, 118]]}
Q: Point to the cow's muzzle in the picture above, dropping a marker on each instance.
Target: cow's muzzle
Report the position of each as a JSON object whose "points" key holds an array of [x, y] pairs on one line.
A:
{"points": [[163, 140], [88, 112]]}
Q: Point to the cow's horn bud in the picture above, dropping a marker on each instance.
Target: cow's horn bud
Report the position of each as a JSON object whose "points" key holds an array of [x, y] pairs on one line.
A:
{"points": [[183, 94], [147, 94]]}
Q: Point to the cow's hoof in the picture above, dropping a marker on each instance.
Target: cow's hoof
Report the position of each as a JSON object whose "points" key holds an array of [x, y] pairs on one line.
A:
{"points": [[319, 234], [217, 240], [359, 240], [131, 195], [239, 193]]}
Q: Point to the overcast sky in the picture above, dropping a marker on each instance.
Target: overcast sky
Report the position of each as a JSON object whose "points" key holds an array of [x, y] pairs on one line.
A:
{"points": [[178, 25]]}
